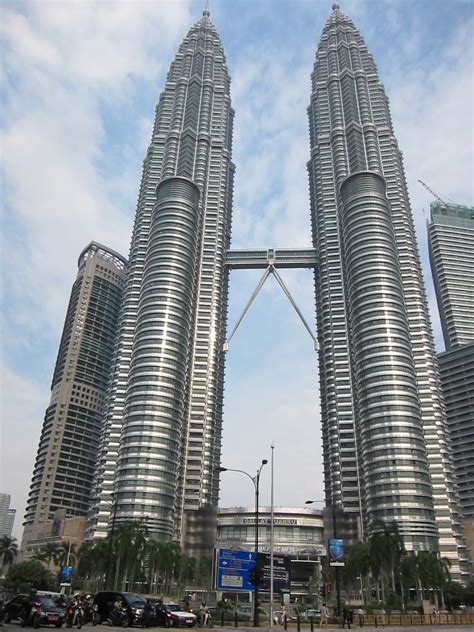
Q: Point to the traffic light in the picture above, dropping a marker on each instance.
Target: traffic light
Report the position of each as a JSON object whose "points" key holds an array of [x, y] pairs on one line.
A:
{"points": [[321, 591], [255, 576], [329, 588]]}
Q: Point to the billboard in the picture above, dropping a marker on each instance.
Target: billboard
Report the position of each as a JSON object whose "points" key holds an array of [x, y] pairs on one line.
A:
{"points": [[281, 572], [66, 573], [336, 552], [232, 569]]}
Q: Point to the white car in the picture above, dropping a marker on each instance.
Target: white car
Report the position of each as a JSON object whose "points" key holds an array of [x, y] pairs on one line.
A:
{"points": [[175, 616]]}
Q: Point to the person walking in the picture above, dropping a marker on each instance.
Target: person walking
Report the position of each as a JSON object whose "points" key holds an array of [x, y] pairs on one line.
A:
{"points": [[361, 615], [324, 616], [347, 618]]}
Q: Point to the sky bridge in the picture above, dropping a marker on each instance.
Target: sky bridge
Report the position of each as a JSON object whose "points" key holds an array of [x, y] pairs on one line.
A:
{"points": [[261, 258]]}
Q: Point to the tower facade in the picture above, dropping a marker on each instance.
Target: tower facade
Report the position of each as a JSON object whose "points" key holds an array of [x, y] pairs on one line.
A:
{"points": [[451, 247], [386, 453], [67, 452], [162, 439]]}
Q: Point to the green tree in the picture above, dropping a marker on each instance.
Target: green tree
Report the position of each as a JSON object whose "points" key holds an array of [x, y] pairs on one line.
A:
{"points": [[8, 552], [386, 550], [47, 553], [30, 574]]}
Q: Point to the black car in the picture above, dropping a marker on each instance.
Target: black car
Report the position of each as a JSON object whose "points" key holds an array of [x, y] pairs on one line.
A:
{"points": [[50, 613], [135, 609]]}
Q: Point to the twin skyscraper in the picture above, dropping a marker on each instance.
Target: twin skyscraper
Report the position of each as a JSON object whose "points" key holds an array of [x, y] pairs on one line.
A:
{"points": [[386, 451]]}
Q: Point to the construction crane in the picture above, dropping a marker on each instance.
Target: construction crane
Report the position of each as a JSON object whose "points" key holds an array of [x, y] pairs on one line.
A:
{"points": [[432, 192]]}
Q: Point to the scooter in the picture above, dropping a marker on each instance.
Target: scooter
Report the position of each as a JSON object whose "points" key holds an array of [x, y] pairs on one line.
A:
{"points": [[34, 617]]}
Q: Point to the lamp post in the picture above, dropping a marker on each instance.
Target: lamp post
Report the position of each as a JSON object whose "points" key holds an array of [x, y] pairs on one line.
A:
{"points": [[256, 483], [334, 535]]}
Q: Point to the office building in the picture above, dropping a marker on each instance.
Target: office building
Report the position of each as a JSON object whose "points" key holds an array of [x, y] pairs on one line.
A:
{"points": [[162, 439], [451, 248], [457, 378], [10, 521], [4, 513], [298, 534], [386, 452], [67, 452]]}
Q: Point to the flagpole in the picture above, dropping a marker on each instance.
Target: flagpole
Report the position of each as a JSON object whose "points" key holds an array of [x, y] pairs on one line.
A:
{"points": [[271, 542]]}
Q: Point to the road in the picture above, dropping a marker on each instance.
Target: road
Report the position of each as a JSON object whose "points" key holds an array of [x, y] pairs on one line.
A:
{"points": [[13, 627]]}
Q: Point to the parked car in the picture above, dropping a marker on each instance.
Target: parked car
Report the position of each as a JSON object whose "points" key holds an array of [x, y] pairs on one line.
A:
{"points": [[246, 612], [135, 609], [50, 614], [170, 614], [312, 613]]}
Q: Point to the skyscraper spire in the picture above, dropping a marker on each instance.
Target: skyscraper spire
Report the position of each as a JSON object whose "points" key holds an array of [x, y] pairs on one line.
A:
{"points": [[386, 450], [162, 438], [206, 12]]}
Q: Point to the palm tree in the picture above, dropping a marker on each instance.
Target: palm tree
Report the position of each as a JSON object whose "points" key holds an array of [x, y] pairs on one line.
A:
{"points": [[66, 551], [357, 564], [8, 551], [434, 573], [386, 548], [47, 553]]}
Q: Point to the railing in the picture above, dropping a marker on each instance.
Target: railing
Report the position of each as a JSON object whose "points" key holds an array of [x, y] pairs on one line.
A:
{"points": [[232, 619]]}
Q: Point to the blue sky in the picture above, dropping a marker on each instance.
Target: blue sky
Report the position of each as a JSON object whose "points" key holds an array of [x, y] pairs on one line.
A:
{"points": [[81, 80]]}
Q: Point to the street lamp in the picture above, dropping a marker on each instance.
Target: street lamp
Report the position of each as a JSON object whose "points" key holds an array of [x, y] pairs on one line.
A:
{"points": [[334, 535], [256, 483]]}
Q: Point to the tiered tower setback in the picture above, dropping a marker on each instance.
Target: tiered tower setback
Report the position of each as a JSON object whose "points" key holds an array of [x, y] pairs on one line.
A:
{"points": [[386, 453], [162, 440]]}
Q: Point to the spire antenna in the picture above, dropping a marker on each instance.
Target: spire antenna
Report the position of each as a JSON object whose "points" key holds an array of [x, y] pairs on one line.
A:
{"points": [[206, 11], [335, 6]]}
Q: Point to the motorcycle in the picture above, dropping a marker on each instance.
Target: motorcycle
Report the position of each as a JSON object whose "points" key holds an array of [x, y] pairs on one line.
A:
{"points": [[75, 614], [205, 619], [119, 616], [33, 618]]}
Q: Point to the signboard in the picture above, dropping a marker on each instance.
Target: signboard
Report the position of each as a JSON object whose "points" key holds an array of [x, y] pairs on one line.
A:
{"points": [[66, 573], [232, 569], [336, 552], [281, 572]]}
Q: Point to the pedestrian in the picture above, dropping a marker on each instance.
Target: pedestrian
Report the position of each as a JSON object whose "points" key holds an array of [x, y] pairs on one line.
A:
{"points": [[361, 615], [350, 617], [324, 616], [346, 618]]}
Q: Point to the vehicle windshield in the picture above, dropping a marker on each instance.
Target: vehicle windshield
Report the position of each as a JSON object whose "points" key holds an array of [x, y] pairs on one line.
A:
{"points": [[173, 607], [134, 600], [47, 602]]}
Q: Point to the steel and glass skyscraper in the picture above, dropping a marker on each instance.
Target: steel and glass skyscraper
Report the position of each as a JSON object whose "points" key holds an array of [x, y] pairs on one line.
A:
{"points": [[386, 453], [161, 444], [451, 245], [67, 453]]}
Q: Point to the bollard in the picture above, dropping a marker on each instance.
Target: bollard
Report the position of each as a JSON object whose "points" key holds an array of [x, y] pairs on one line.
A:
{"points": [[222, 618], [298, 625], [311, 620], [422, 618], [285, 622], [411, 619], [236, 619]]}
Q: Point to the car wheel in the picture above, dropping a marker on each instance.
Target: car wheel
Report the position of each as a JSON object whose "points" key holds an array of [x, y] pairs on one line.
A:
{"points": [[7, 618], [167, 623], [125, 622], [36, 620]]}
